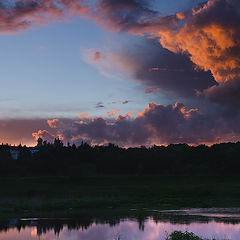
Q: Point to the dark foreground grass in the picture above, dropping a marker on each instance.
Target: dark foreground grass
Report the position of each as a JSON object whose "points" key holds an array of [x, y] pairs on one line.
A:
{"points": [[59, 194], [178, 235]]}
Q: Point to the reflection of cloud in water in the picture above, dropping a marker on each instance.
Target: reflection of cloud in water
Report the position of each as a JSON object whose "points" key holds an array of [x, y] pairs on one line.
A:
{"points": [[129, 231]]}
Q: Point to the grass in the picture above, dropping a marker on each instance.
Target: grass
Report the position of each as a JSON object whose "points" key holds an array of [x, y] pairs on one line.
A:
{"points": [[52, 194], [178, 235]]}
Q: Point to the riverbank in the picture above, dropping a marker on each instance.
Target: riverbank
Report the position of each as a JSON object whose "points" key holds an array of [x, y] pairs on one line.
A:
{"points": [[51, 195]]}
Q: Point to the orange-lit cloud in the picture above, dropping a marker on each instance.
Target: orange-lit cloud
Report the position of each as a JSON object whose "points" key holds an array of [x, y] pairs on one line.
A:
{"points": [[85, 116], [124, 117], [210, 37], [112, 113], [44, 134], [53, 123]]}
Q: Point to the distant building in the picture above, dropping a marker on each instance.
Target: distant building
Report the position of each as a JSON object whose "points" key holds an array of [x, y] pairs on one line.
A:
{"points": [[14, 151]]}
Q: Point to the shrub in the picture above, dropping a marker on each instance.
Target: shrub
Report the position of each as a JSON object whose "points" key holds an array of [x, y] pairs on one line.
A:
{"points": [[178, 235]]}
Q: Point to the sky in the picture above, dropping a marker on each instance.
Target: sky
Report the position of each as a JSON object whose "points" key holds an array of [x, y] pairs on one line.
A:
{"points": [[130, 72]]}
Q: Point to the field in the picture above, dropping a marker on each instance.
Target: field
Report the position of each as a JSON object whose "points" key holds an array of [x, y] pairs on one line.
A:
{"points": [[46, 195]]}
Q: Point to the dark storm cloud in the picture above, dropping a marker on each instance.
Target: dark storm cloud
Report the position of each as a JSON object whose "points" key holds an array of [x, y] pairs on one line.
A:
{"points": [[226, 94], [157, 69], [161, 70]]}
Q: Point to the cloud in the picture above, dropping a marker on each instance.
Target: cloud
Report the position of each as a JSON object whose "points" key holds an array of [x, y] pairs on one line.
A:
{"points": [[53, 123], [210, 36], [97, 55], [112, 113], [99, 105], [156, 124], [226, 94], [121, 102], [155, 68], [121, 15], [44, 134], [17, 16], [109, 63]]}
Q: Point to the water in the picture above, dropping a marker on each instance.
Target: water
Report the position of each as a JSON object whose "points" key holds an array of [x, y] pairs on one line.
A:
{"points": [[150, 225]]}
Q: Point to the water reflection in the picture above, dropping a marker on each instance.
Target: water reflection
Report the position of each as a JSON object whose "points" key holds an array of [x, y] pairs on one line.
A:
{"points": [[138, 226]]}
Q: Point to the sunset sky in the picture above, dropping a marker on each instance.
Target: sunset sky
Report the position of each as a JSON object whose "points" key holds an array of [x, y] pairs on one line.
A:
{"points": [[130, 72]]}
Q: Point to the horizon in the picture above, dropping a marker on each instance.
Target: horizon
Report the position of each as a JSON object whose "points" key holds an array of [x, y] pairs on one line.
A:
{"points": [[123, 147], [127, 72]]}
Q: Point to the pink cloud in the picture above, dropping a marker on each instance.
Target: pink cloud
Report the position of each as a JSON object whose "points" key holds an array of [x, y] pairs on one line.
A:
{"points": [[53, 123], [44, 134], [97, 55], [112, 113], [24, 14]]}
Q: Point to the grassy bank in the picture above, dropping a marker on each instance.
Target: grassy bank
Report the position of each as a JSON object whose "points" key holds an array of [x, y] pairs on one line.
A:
{"points": [[36, 194]]}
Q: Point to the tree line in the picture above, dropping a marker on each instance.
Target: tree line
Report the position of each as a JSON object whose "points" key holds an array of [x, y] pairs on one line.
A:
{"points": [[86, 160]]}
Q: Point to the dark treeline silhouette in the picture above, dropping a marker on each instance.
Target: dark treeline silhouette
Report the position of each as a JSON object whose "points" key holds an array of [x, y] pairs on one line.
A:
{"points": [[85, 160]]}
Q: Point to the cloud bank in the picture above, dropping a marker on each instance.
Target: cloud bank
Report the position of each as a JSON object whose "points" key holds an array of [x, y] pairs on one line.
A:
{"points": [[156, 124]]}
